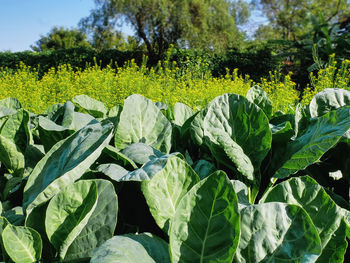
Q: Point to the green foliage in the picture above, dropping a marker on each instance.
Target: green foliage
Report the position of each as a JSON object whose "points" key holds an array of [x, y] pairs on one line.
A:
{"points": [[83, 199], [61, 38], [290, 20], [160, 23]]}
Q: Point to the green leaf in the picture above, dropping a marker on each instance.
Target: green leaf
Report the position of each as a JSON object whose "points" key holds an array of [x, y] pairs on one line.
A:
{"points": [[22, 244], [141, 153], [68, 212], [166, 188], [204, 168], [282, 132], [112, 170], [222, 147], [328, 100], [141, 121], [242, 192], [3, 255], [11, 156], [240, 120], [65, 163], [50, 133], [277, 232], [205, 227], [156, 247], [182, 112], [93, 107], [130, 249], [118, 157], [149, 169], [258, 96], [10, 103], [307, 193], [321, 135], [81, 217]]}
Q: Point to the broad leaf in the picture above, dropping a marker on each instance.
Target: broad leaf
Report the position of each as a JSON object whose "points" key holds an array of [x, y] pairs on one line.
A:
{"points": [[65, 163], [22, 244], [10, 103], [203, 168], [242, 192], [141, 121], [112, 170], [131, 249], [110, 152], [50, 133], [205, 227], [3, 255], [182, 113], [141, 153], [321, 135], [149, 169], [91, 106], [277, 232], [166, 188], [307, 193], [240, 120], [68, 213], [258, 96], [328, 100]]}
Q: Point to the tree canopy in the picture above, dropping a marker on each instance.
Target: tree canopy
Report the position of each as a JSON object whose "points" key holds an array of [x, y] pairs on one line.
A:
{"points": [[60, 37], [291, 19], [205, 24]]}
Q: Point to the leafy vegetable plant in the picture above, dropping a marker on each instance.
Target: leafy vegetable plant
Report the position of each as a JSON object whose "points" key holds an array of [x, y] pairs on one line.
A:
{"points": [[143, 182]]}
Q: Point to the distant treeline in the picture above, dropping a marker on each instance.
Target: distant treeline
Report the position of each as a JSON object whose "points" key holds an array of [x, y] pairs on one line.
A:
{"points": [[256, 63]]}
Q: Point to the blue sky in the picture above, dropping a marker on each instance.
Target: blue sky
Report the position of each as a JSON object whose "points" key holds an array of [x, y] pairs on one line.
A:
{"points": [[22, 22]]}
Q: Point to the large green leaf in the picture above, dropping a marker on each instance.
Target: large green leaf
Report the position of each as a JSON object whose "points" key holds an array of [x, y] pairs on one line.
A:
{"points": [[10, 103], [141, 153], [3, 224], [227, 151], [65, 163], [325, 214], [165, 190], [258, 96], [68, 212], [321, 135], [142, 121], [206, 224], [22, 244], [242, 121], [149, 169], [67, 117], [50, 133], [327, 100], [14, 138], [94, 107], [277, 232], [11, 156], [182, 113], [156, 247], [132, 248], [96, 227]]}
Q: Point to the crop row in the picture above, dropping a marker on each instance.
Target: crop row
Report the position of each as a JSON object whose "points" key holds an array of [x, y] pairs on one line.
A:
{"points": [[147, 182]]}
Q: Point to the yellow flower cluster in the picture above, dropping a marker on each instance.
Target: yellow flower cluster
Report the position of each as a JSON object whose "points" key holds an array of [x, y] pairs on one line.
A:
{"points": [[164, 83], [329, 77], [281, 91]]}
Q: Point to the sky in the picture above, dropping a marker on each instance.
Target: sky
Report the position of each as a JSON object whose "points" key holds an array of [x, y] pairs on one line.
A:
{"points": [[23, 22]]}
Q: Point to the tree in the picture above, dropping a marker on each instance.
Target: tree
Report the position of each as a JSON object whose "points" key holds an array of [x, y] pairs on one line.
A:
{"points": [[205, 24], [59, 38], [291, 19]]}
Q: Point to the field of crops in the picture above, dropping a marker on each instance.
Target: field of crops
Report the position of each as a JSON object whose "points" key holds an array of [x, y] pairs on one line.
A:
{"points": [[146, 181]]}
